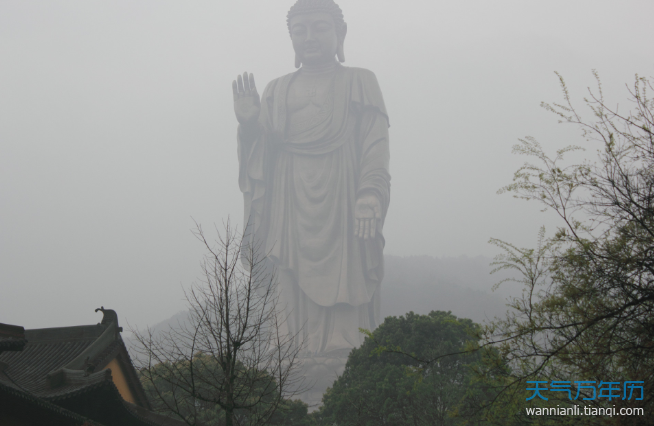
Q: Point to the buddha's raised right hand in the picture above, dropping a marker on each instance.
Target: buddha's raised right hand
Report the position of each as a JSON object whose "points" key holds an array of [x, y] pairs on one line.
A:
{"points": [[247, 104]]}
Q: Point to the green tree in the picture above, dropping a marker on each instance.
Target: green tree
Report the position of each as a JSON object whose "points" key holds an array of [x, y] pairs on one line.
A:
{"points": [[160, 384], [587, 309], [387, 382]]}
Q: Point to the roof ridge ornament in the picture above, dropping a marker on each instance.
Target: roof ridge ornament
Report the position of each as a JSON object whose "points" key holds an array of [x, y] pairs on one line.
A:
{"points": [[109, 316]]}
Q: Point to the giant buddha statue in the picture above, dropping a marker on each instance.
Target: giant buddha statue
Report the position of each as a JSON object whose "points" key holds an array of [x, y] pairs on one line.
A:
{"points": [[313, 154]]}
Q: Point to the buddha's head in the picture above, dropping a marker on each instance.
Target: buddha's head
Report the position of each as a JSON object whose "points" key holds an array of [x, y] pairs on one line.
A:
{"points": [[317, 30]]}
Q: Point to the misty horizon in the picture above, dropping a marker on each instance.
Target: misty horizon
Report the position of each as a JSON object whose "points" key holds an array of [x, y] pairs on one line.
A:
{"points": [[117, 131]]}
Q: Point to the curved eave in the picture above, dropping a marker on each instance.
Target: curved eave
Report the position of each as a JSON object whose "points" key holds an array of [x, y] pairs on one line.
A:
{"points": [[12, 400]]}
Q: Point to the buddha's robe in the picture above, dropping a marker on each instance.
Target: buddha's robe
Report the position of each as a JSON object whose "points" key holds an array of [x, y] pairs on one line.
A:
{"points": [[300, 184]]}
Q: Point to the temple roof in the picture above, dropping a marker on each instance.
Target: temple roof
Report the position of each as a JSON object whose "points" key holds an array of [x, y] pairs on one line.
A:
{"points": [[49, 349], [69, 367], [17, 400]]}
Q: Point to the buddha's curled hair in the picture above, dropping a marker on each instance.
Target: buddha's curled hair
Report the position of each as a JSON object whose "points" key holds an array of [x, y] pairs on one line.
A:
{"points": [[308, 6]]}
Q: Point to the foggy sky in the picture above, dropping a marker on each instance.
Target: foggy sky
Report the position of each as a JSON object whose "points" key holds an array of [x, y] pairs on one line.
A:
{"points": [[117, 130]]}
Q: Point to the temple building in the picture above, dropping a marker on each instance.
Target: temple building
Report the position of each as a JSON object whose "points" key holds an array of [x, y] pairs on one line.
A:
{"points": [[75, 376]]}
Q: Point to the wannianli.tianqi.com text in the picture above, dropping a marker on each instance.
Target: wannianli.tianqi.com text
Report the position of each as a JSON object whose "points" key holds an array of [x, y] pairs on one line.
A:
{"points": [[586, 411]]}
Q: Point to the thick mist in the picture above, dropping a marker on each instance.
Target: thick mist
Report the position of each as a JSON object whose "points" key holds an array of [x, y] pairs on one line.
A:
{"points": [[117, 131]]}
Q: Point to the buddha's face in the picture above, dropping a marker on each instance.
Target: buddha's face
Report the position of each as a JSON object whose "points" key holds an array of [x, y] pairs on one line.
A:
{"points": [[314, 37]]}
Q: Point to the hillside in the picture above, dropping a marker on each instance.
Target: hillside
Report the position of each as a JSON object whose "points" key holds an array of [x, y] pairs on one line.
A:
{"points": [[462, 285], [423, 283]]}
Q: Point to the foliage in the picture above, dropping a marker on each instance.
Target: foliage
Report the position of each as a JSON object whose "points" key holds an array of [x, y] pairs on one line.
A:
{"points": [[161, 391], [587, 308], [232, 358], [382, 385]]}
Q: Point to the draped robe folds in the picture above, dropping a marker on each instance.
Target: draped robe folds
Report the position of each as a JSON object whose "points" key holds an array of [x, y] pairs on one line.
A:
{"points": [[300, 185]]}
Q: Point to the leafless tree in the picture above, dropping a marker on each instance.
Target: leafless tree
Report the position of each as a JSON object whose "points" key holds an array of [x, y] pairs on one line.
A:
{"points": [[232, 362]]}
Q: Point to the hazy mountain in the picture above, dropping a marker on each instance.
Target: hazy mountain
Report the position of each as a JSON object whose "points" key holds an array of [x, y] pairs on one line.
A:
{"points": [[423, 283], [462, 285]]}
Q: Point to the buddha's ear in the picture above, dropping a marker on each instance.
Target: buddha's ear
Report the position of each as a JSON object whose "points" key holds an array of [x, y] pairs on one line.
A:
{"points": [[340, 54], [342, 32]]}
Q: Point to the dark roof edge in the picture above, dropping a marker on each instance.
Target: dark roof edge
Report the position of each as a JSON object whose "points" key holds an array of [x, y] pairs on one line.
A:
{"points": [[157, 418], [64, 376], [97, 355], [133, 378], [118, 351], [47, 405], [12, 337], [138, 413], [110, 335], [13, 331], [71, 333]]}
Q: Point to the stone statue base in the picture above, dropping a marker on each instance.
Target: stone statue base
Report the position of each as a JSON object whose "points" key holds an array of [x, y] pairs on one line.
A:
{"points": [[319, 372]]}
